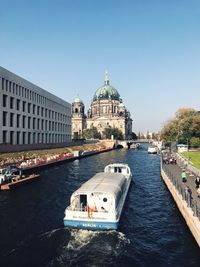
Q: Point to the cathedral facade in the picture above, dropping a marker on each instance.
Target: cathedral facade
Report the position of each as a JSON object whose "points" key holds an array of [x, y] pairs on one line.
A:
{"points": [[106, 110]]}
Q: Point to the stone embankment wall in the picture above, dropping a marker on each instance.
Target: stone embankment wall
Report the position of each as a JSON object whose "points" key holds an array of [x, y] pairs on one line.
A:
{"points": [[187, 213], [4, 148]]}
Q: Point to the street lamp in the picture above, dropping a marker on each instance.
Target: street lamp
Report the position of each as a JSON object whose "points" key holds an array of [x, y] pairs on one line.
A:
{"points": [[187, 151]]}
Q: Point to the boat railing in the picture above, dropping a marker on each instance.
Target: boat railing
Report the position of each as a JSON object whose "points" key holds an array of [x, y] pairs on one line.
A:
{"points": [[87, 209]]}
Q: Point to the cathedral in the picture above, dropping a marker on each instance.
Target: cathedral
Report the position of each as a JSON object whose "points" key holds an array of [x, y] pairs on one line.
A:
{"points": [[106, 110]]}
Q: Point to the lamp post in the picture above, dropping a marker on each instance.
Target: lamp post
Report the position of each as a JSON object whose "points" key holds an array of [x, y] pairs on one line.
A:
{"points": [[187, 151]]}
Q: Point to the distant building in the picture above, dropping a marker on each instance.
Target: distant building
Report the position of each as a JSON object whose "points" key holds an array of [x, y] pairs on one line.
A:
{"points": [[106, 110], [30, 114]]}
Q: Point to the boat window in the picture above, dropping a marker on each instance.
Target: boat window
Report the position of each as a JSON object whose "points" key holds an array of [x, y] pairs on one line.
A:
{"points": [[104, 199], [83, 201]]}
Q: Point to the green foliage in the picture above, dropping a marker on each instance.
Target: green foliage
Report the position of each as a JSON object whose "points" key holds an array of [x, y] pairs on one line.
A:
{"points": [[133, 136], [108, 132], [91, 133], [195, 142], [183, 127]]}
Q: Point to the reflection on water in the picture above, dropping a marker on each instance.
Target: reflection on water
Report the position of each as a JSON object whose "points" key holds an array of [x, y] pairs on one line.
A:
{"points": [[152, 231]]}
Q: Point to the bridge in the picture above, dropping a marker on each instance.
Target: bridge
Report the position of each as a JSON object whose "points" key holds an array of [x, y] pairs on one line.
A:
{"points": [[128, 143]]}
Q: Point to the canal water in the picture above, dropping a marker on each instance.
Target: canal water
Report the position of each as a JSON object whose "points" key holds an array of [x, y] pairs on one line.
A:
{"points": [[152, 231]]}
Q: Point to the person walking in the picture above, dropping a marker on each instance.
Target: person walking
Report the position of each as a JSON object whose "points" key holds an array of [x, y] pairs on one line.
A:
{"points": [[188, 196], [184, 176], [197, 181]]}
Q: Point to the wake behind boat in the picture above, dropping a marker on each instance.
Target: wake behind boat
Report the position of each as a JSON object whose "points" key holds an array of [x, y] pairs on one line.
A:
{"points": [[98, 203]]}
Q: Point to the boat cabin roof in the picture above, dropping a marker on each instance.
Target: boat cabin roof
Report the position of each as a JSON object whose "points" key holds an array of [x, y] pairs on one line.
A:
{"points": [[110, 183]]}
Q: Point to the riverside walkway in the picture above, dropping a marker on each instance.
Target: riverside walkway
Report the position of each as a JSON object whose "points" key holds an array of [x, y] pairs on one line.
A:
{"points": [[188, 203]]}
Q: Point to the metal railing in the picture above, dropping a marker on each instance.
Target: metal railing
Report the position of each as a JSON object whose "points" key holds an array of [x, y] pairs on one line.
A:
{"points": [[186, 195]]}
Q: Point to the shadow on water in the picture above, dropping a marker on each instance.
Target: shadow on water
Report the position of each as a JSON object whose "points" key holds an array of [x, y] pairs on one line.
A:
{"points": [[151, 233]]}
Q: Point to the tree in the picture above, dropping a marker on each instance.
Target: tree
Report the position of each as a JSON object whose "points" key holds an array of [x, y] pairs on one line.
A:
{"points": [[108, 132], [134, 136], [183, 127], [195, 142], [91, 133]]}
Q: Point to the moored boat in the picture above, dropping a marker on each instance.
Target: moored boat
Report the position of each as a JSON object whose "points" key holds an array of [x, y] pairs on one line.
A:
{"points": [[99, 202], [152, 150]]}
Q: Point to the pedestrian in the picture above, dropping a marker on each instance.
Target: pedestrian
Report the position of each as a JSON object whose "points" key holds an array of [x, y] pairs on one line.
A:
{"points": [[188, 196], [184, 176], [197, 181], [198, 192]]}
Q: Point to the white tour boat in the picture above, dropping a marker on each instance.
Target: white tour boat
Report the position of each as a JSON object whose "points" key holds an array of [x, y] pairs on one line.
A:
{"points": [[98, 203], [152, 150]]}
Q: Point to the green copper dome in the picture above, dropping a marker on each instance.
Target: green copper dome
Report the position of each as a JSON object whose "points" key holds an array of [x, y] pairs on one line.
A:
{"points": [[77, 100], [106, 92]]}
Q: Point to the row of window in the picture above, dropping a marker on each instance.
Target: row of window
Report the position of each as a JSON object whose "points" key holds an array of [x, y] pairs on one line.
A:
{"points": [[22, 121], [104, 109], [12, 137], [22, 91], [27, 107]]}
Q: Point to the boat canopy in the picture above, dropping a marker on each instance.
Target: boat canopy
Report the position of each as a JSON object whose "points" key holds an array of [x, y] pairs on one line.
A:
{"points": [[110, 183]]}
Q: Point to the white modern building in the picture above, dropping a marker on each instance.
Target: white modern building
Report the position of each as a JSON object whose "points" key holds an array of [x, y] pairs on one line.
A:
{"points": [[30, 114]]}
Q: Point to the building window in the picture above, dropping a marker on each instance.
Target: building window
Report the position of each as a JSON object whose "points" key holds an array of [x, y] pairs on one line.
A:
{"points": [[10, 86], [33, 123], [33, 138], [6, 85], [18, 104], [24, 121], [42, 112], [24, 138], [38, 137], [29, 122], [11, 102], [13, 88], [38, 110], [5, 99], [38, 124], [18, 138], [29, 137], [11, 119], [2, 83], [18, 120], [29, 107], [5, 115], [23, 106], [11, 137], [42, 126], [33, 109], [4, 137]]}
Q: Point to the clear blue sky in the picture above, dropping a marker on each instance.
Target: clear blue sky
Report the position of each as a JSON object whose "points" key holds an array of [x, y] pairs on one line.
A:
{"points": [[150, 48]]}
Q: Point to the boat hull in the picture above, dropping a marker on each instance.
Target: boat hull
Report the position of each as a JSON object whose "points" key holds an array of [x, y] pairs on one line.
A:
{"points": [[93, 225]]}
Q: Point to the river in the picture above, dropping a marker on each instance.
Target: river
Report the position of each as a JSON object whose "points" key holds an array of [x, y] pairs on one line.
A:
{"points": [[152, 232]]}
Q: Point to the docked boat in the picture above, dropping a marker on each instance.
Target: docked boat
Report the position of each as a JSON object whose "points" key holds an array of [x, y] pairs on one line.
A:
{"points": [[98, 203], [152, 150]]}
